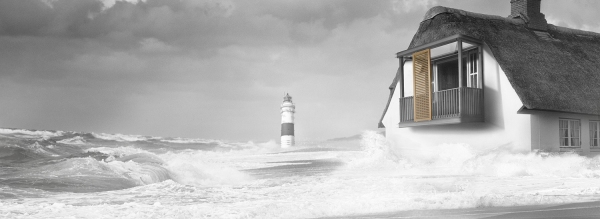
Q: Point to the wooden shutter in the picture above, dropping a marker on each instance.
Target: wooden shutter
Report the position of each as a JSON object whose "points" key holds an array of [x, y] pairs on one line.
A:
{"points": [[422, 83]]}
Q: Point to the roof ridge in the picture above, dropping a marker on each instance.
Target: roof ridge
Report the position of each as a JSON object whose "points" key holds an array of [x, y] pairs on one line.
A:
{"points": [[584, 33], [437, 10]]}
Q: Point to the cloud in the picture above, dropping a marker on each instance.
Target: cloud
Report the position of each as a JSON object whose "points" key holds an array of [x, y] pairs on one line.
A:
{"points": [[195, 67], [33, 17], [405, 6], [569, 14], [110, 3], [155, 45]]}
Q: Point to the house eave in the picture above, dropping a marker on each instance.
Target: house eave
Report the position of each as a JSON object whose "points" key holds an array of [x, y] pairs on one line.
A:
{"points": [[441, 42], [526, 111]]}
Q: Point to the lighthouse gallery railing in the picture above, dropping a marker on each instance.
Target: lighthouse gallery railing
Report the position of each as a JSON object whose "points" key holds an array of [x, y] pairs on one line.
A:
{"points": [[445, 104]]}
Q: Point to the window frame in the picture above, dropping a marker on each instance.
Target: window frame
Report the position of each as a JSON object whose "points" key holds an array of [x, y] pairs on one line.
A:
{"points": [[436, 79], [596, 143], [569, 134], [473, 68], [468, 65]]}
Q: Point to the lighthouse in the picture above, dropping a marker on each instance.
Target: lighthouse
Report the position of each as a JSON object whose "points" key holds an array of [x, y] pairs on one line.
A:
{"points": [[287, 122]]}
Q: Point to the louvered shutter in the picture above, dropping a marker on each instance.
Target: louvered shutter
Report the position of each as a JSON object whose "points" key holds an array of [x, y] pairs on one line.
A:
{"points": [[422, 83]]}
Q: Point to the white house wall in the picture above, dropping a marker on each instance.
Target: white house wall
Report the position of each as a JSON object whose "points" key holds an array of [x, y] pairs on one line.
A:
{"points": [[392, 115], [545, 134], [501, 104], [390, 119], [503, 126], [408, 79]]}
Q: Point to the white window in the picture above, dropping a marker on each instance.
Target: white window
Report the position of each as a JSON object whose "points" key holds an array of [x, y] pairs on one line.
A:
{"points": [[472, 69], [569, 132], [594, 133]]}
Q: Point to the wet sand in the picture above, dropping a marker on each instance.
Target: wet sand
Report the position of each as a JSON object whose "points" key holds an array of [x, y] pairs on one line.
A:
{"points": [[575, 210]]}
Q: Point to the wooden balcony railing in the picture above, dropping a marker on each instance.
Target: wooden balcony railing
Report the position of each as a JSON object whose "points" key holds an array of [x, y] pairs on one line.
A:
{"points": [[446, 104], [407, 109]]}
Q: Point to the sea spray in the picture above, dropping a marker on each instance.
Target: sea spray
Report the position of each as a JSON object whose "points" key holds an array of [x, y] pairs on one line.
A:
{"points": [[202, 169], [206, 180], [376, 154]]}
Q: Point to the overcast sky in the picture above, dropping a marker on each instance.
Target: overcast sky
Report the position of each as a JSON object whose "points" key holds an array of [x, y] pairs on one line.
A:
{"points": [[215, 69]]}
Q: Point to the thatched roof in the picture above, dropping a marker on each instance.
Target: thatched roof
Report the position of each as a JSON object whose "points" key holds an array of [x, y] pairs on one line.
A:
{"points": [[556, 71]]}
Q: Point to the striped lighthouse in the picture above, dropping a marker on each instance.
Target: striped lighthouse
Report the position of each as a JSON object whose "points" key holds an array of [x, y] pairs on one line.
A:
{"points": [[287, 122]]}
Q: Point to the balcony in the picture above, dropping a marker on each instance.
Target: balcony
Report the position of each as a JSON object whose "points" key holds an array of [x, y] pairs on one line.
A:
{"points": [[452, 106]]}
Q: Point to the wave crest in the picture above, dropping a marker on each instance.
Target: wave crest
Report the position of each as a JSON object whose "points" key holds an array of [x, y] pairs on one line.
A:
{"points": [[201, 169], [462, 159]]}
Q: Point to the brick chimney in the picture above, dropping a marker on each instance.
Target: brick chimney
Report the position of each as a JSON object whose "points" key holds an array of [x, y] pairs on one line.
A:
{"points": [[529, 11]]}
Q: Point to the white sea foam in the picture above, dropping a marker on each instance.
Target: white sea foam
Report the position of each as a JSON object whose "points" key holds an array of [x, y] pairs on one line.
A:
{"points": [[40, 149], [77, 140], [187, 140], [249, 147], [202, 169], [140, 173], [211, 184], [187, 167], [22, 133], [88, 171], [461, 159], [120, 137], [117, 151]]}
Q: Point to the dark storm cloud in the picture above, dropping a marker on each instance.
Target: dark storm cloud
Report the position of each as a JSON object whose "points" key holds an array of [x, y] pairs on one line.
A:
{"points": [[198, 23], [36, 17]]}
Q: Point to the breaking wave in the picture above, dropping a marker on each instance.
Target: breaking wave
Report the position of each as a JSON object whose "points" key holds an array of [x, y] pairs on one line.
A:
{"points": [[89, 162], [462, 159], [201, 178]]}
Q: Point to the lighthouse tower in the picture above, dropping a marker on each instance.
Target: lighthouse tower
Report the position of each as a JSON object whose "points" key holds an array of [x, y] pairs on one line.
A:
{"points": [[287, 122]]}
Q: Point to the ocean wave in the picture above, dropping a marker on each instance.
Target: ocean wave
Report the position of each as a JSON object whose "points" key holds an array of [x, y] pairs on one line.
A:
{"points": [[379, 178], [120, 151], [36, 134], [27, 151], [86, 174], [8, 154], [127, 166], [121, 137], [142, 168], [41, 149], [187, 140], [77, 140], [201, 169]]}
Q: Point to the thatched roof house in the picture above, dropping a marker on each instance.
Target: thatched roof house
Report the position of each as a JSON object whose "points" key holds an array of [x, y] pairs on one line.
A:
{"points": [[550, 68], [556, 70]]}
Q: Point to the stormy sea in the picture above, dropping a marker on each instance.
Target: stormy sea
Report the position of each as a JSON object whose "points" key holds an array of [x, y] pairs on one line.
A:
{"points": [[63, 174]]}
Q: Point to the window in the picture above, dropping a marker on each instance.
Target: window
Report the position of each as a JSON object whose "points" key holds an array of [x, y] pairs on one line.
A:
{"points": [[594, 133], [472, 72], [569, 132], [445, 74]]}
